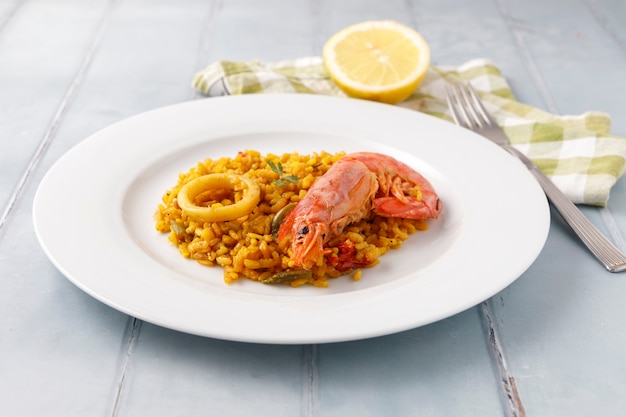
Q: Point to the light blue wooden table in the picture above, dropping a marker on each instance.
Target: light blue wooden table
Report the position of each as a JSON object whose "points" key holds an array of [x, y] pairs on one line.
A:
{"points": [[69, 68]]}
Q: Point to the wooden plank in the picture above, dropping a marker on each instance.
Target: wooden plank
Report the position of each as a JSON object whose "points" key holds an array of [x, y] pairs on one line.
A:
{"points": [[558, 320], [60, 348], [273, 30], [57, 342], [442, 370], [174, 374], [32, 102]]}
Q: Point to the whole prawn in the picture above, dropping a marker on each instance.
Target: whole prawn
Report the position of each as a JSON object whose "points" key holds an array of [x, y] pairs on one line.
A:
{"points": [[354, 186]]}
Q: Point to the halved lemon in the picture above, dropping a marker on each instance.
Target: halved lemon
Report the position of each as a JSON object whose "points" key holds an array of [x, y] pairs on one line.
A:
{"points": [[377, 60]]}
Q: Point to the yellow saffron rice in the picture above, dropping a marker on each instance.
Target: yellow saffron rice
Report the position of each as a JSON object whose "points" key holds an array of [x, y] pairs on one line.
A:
{"points": [[245, 247]]}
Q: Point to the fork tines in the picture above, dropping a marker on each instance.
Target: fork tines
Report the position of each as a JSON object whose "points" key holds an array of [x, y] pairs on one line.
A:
{"points": [[466, 107]]}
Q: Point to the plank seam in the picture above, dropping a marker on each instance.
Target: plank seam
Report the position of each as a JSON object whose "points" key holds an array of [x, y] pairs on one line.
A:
{"points": [[605, 23], [317, 43], [9, 16], [310, 394], [131, 344], [410, 11], [527, 58], [204, 46], [613, 228], [508, 388]]}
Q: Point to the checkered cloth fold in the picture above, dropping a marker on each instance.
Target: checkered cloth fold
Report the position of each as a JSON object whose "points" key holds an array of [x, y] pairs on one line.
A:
{"points": [[578, 153]]}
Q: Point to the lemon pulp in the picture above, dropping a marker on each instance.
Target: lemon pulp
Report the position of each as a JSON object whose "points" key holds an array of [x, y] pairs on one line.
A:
{"points": [[377, 60]]}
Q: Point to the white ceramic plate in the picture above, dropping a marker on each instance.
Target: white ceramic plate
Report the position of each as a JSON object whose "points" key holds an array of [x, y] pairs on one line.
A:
{"points": [[93, 215]]}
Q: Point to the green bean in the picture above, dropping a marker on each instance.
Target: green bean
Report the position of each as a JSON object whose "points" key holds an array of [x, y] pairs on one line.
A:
{"points": [[279, 217], [287, 276]]}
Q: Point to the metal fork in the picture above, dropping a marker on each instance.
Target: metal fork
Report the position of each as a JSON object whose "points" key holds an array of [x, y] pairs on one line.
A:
{"points": [[468, 111]]}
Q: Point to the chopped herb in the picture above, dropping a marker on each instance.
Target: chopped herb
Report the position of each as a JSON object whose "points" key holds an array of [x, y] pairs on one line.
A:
{"points": [[283, 179]]}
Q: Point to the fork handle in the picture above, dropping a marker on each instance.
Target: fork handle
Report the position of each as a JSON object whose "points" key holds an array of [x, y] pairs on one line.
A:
{"points": [[612, 258]]}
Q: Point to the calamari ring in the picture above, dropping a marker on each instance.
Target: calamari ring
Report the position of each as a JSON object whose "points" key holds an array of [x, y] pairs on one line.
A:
{"points": [[189, 192]]}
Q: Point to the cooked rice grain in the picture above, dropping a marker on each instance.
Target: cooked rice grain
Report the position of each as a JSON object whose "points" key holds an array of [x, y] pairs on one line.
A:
{"points": [[245, 247]]}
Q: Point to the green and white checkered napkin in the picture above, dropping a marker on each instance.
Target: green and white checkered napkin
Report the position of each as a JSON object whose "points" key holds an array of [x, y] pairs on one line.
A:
{"points": [[577, 152]]}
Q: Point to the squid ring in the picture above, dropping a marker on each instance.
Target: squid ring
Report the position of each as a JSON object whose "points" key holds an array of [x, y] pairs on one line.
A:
{"points": [[189, 192]]}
